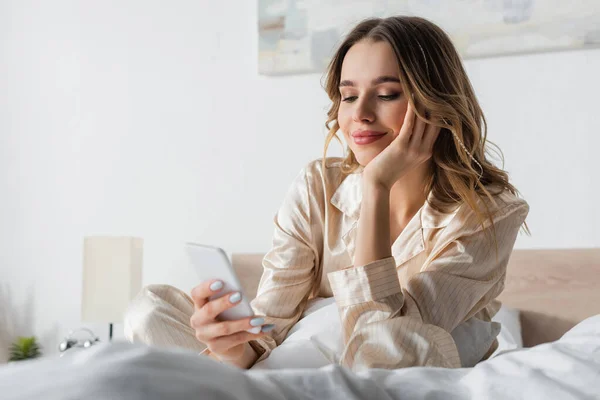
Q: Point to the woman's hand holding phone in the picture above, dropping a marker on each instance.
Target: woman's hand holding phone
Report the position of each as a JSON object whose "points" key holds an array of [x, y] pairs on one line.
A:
{"points": [[226, 340]]}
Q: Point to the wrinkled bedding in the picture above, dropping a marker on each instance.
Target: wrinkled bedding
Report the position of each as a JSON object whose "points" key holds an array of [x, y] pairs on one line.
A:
{"points": [[566, 369]]}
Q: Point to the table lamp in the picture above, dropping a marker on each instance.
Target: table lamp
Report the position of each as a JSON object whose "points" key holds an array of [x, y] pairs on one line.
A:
{"points": [[112, 276]]}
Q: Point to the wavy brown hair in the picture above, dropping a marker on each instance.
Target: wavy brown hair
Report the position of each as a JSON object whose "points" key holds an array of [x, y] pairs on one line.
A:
{"points": [[431, 69]]}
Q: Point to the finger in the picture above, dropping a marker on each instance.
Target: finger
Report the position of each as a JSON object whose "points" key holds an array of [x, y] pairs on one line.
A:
{"points": [[224, 343], [203, 291], [418, 130], [431, 134], [407, 126], [215, 330], [213, 308]]}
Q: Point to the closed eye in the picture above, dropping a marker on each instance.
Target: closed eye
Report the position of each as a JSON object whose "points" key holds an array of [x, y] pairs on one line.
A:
{"points": [[390, 97]]}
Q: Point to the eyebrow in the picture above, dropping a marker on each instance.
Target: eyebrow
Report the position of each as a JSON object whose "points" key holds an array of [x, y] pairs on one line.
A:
{"points": [[375, 82]]}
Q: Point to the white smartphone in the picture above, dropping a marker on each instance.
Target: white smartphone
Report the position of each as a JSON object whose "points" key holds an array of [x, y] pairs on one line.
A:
{"points": [[210, 263]]}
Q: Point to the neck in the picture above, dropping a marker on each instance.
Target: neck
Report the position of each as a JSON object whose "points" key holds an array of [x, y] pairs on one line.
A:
{"points": [[408, 195]]}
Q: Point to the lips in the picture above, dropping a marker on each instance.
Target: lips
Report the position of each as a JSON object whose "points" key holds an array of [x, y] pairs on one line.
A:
{"points": [[367, 137]]}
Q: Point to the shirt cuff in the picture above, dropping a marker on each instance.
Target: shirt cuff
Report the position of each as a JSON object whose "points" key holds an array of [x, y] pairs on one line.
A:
{"points": [[261, 349], [370, 282]]}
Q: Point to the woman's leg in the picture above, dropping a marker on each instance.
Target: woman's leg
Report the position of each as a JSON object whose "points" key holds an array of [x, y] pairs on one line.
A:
{"points": [[160, 316]]}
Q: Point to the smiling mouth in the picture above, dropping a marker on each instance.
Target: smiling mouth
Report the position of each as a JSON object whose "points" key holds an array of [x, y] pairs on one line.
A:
{"points": [[367, 137]]}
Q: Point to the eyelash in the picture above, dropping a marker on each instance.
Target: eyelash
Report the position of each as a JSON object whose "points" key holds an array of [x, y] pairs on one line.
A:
{"points": [[390, 97]]}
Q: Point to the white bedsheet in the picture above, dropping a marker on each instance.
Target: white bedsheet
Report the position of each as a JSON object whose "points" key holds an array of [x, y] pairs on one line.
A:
{"points": [[566, 369]]}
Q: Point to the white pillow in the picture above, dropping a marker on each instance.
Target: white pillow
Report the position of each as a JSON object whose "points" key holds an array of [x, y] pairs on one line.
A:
{"points": [[473, 339], [510, 337], [316, 340]]}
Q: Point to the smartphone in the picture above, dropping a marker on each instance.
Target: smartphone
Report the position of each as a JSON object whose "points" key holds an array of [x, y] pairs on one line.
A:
{"points": [[210, 263]]}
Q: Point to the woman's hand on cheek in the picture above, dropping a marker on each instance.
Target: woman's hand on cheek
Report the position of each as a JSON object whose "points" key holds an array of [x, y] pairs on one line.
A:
{"points": [[412, 147]]}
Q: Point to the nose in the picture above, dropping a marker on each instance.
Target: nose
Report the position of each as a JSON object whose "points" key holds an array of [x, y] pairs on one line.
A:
{"points": [[363, 112]]}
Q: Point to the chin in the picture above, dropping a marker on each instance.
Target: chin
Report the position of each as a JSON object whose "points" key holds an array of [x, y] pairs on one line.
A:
{"points": [[364, 154], [364, 159]]}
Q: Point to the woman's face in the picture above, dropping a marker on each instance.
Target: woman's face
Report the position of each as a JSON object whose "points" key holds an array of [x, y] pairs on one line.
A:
{"points": [[373, 104]]}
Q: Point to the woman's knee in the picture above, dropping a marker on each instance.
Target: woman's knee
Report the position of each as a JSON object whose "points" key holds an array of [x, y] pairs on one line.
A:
{"points": [[145, 310]]}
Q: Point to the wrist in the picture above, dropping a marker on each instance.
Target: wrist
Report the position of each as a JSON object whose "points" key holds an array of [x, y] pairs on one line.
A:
{"points": [[373, 187], [245, 360]]}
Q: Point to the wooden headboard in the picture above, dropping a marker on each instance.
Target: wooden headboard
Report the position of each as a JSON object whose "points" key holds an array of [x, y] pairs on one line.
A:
{"points": [[554, 289]]}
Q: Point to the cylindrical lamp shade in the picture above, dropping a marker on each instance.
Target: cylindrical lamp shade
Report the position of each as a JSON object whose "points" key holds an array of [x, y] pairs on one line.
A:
{"points": [[112, 276]]}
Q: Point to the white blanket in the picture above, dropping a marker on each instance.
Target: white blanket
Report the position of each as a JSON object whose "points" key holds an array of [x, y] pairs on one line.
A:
{"points": [[566, 369]]}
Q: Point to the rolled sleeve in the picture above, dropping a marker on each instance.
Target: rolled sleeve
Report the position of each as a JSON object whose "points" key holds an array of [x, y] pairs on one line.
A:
{"points": [[371, 282]]}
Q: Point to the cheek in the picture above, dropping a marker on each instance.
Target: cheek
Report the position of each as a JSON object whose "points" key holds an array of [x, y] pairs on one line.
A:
{"points": [[394, 117], [344, 118]]}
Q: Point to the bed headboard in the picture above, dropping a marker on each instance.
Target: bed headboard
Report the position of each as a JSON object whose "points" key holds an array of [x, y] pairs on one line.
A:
{"points": [[554, 289]]}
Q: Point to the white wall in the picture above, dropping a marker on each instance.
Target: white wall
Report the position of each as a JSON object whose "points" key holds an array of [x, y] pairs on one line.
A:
{"points": [[148, 118]]}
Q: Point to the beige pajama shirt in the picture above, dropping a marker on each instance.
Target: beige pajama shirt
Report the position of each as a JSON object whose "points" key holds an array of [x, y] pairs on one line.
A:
{"points": [[396, 312]]}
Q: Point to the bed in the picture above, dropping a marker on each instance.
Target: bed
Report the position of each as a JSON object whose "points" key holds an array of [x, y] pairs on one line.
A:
{"points": [[557, 291]]}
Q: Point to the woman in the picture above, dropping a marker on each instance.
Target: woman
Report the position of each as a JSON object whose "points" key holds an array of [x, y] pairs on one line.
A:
{"points": [[416, 275]]}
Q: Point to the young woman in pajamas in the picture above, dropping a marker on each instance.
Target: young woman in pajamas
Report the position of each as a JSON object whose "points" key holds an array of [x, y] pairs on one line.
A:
{"points": [[411, 232]]}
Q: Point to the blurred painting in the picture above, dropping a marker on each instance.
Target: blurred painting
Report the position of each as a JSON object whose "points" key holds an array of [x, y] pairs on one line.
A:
{"points": [[299, 36]]}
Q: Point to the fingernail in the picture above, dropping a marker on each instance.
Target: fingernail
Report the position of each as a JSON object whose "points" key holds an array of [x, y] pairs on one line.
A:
{"points": [[234, 298], [217, 285], [257, 321], [267, 328]]}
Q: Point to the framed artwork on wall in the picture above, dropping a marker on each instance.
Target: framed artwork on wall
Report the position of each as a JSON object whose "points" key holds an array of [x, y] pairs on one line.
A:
{"points": [[299, 36]]}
